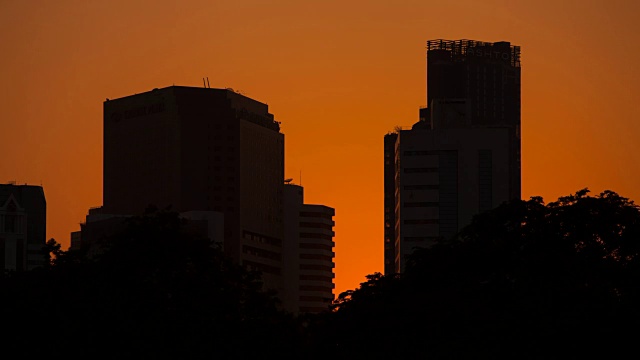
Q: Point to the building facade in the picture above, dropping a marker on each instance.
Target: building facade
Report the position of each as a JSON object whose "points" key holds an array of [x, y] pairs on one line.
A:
{"points": [[23, 222], [308, 253], [484, 79], [463, 155], [197, 150]]}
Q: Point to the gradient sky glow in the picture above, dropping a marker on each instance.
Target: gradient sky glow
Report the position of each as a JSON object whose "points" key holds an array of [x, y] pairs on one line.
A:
{"points": [[339, 75]]}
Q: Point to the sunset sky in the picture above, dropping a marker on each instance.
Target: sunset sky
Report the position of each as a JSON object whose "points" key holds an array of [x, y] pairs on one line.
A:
{"points": [[339, 75]]}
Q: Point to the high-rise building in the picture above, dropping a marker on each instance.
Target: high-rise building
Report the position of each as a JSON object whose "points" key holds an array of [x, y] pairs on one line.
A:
{"points": [[308, 253], [484, 79], [200, 149], [23, 223], [463, 156]]}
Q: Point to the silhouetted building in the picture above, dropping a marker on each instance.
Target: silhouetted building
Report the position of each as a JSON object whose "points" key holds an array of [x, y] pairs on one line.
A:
{"points": [[200, 149], [308, 253], [463, 156], [23, 222], [99, 228], [476, 84]]}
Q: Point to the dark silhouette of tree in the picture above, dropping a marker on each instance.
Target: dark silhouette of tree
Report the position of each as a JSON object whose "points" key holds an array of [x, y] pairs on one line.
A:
{"points": [[526, 280], [156, 291]]}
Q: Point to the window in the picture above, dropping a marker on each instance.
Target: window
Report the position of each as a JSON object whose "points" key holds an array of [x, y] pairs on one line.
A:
{"points": [[315, 267], [10, 223], [315, 288], [316, 214], [316, 257], [316, 225], [316, 278], [316, 246], [315, 236]]}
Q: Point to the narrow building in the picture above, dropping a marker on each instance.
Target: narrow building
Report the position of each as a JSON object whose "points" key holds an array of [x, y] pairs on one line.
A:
{"points": [[308, 253], [23, 224]]}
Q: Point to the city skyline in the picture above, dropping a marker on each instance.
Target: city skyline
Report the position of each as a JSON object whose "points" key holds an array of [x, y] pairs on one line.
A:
{"points": [[337, 79]]}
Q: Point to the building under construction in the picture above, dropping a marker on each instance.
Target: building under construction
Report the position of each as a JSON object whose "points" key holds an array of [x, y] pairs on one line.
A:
{"points": [[463, 155]]}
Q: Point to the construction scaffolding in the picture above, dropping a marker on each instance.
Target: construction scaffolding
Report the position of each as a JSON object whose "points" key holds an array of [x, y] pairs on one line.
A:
{"points": [[462, 49]]}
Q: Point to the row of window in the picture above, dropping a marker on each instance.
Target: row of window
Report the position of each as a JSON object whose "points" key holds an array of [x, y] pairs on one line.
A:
{"points": [[261, 253], [261, 238], [316, 215], [317, 278], [316, 225], [316, 246], [315, 288], [316, 257], [315, 236], [267, 269], [12, 224], [316, 267]]}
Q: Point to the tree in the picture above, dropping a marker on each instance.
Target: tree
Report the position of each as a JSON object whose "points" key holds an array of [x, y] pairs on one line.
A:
{"points": [[155, 291], [525, 280]]}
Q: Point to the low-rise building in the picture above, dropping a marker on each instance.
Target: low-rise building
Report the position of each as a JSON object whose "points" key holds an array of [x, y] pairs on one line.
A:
{"points": [[23, 223]]}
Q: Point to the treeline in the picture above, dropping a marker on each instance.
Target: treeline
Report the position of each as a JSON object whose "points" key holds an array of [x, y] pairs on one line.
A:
{"points": [[154, 292], [524, 281], [527, 280]]}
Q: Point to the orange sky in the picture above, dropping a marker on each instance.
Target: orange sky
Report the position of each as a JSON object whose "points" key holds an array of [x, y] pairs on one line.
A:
{"points": [[338, 74]]}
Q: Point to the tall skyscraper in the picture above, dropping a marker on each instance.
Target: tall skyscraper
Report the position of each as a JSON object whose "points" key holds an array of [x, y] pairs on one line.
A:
{"points": [[23, 223], [200, 149], [486, 76], [463, 156]]}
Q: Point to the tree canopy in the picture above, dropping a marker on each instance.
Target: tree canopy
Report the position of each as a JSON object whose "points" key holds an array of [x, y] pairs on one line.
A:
{"points": [[156, 291], [525, 280]]}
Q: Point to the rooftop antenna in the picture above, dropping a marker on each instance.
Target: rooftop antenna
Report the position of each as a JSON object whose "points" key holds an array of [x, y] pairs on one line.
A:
{"points": [[300, 177], [208, 83], [204, 83]]}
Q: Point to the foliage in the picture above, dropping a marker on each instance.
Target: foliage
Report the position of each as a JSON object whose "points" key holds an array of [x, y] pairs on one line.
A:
{"points": [[156, 291], [526, 280]]}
